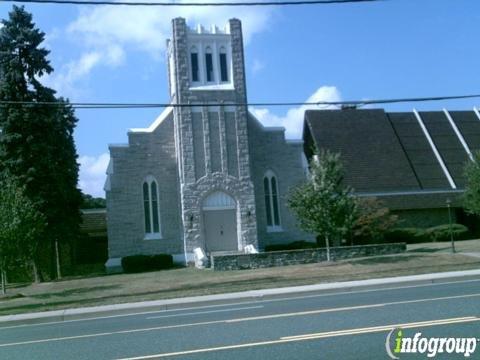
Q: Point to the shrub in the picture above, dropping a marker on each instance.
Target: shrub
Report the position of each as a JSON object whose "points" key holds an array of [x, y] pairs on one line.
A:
{"points": [[435, 233], [296, 245], [162, 261], [140, 263], [442, 232], [408, 235], [372, 223]]}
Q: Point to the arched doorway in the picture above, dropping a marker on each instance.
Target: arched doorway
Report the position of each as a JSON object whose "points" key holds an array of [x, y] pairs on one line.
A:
{"points": [[220, 222]]}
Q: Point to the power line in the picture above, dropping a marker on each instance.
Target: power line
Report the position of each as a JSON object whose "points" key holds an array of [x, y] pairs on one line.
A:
{"points": [[92, 105], [163, 3]]}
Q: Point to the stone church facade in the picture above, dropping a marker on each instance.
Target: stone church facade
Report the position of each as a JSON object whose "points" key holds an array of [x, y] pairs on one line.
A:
{"points": [[206, 175]]}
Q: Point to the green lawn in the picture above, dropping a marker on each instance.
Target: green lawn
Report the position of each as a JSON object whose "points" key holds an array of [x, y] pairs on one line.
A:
{"points": [[110, 289]]}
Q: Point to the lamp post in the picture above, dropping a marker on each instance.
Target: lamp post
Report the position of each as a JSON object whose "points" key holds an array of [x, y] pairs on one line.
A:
{"points": [[449, 203]]}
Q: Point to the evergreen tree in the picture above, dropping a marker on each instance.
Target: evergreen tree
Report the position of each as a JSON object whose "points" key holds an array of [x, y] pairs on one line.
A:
{"points": [[324, 206], [36, 145]]}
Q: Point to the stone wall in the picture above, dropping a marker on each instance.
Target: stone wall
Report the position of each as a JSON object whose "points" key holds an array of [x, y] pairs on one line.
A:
{"points": [[296, 257], [147, 154], [214, 172], [269, 151]]}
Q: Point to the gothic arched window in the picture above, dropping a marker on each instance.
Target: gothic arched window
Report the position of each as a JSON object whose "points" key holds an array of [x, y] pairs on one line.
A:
{"points": [[151, 207], [209, 64], [194, 64], [223, 64], [270, 187]]}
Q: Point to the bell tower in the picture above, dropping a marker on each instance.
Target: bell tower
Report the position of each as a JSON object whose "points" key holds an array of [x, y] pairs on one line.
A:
{"points": [[207, 81]]}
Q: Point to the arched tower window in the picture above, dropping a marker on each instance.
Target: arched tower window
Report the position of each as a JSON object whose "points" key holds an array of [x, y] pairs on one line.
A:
{"points": [[223, 65], [194, 64], [151, 207], [270, 187], [209, 64]]}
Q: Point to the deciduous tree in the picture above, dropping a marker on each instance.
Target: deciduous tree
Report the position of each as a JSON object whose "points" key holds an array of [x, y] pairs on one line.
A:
{"points": [[21, 228], [471, 197], [324, 206]]}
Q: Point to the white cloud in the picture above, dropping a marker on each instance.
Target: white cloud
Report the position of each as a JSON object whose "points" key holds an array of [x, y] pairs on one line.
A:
{"points": [[147, 28], [107, 32], [93, 174], [66, 79], [292, 121], [50, 37], [257, 66]]}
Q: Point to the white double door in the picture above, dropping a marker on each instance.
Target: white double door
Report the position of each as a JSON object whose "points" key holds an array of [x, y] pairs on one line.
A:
{"points": [[220, 230]]}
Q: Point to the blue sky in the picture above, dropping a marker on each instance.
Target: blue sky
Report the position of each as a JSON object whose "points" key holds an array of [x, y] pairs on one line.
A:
{"points": [[389, 49]]}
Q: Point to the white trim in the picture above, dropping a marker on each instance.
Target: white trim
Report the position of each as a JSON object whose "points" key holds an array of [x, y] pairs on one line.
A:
{"points": [[435, 151], [222, 86], [156, 123], [458, 133], [118, 145], [153, 236], [269, 174], [413, 192], [149, 180], [274, 229], [475, 110]]}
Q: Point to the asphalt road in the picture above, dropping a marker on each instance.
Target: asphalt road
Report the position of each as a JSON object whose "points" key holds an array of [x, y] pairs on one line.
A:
{"points": [[341, 325]]}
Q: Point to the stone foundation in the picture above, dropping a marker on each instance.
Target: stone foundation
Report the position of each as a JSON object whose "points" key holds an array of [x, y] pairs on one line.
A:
{"points": [[296, 257]]}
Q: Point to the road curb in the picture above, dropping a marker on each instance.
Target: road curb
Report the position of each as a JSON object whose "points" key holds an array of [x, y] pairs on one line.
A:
{"points": [[220, 299]]}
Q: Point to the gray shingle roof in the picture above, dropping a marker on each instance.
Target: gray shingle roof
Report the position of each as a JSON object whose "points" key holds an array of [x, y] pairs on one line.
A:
{"points": [[370, 150], [389, 152], [447, 143], [424, 164], [469, 125]]}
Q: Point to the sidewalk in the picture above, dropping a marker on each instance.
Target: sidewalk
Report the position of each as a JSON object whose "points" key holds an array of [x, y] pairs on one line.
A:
{"points": [[252, 295]]}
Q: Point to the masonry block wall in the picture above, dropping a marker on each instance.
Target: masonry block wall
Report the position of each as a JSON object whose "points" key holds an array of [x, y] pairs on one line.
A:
{"points": [[146, 154], [270, 151]]}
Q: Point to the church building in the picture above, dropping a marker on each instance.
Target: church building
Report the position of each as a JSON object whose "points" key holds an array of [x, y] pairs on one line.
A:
{"points": [[206, 173]]}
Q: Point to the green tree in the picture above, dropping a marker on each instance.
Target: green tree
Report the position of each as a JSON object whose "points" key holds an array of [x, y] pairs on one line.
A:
{"points": [[323, 205], [90, 202], [471, 197], [372, 222], [21, 228], [36, 144]]}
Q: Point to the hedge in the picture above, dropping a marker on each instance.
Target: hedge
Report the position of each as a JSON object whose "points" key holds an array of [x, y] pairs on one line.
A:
{"points": [[408, 235], [442, 232], [140, 263], [418, 235]]}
